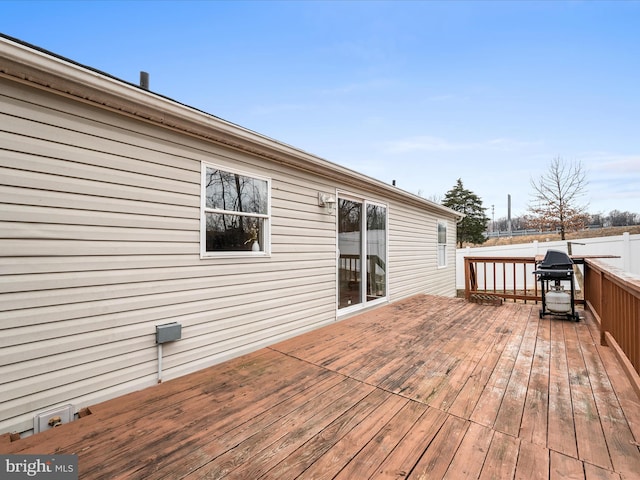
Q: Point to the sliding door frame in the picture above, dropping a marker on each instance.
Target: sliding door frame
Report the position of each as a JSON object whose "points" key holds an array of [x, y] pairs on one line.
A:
{"points": [[363, 265]]}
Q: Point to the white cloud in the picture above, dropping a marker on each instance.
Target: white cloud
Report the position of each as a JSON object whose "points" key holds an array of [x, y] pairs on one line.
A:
{"points": [[612, 164]]}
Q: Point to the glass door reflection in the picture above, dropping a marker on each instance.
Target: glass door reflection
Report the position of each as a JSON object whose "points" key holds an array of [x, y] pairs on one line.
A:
{"points": [[350, 248], [376, 252]]}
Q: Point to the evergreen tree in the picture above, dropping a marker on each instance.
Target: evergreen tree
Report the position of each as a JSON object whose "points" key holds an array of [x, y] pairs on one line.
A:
{"points": [[472, 227]]}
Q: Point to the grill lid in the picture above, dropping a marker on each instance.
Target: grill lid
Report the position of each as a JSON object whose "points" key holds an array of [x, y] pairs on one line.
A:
{"points": [[555, 259]]}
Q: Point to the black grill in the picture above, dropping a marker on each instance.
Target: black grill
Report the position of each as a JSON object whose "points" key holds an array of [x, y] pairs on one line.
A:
{"points": [[556, 267], [556, 260]]}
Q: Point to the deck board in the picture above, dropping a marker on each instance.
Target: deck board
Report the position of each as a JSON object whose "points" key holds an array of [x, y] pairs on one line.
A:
{"points": [[470, 456], [534, 424], [436, 459], [488, 405], [561, 435], [367, 461], [428, 387], [502, 457], [533, 462], [468, 397], [412, 446], [592, 446], [511, 410]]}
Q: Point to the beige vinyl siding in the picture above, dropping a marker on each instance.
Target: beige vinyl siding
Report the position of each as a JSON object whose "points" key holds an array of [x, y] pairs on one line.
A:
{"points": [[413, 265], [99, 243]]}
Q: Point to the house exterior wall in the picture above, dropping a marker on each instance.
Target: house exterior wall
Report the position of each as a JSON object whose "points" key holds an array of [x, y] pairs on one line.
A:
{"points": [[100, 242], [413, 256]]}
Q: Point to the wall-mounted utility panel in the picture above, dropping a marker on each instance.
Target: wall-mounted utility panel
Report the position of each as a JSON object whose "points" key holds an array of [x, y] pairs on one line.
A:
{"points": [[168, 332], [53, 418]]}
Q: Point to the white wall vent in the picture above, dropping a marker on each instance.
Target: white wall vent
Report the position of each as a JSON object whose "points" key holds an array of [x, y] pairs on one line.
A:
{"points": [[52, 418]]}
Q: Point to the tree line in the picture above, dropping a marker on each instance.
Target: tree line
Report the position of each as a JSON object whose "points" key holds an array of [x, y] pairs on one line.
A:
{"points": [[615, 218]]}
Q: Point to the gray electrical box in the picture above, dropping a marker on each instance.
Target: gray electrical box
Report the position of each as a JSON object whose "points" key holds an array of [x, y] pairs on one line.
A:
{"points": [[168, 332]]}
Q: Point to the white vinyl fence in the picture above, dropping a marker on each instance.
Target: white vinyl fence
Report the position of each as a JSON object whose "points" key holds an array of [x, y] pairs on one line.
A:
{"points": [[625, 246]]}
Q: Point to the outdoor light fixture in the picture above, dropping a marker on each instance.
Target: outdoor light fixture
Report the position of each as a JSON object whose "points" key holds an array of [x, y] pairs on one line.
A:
{"points": [[327, 201]]}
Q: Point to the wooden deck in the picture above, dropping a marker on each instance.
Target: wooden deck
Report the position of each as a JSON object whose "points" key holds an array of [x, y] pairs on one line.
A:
{"points": [[425, 388]]}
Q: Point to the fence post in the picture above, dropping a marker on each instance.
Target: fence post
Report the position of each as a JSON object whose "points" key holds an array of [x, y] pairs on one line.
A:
{"points": [[626, 252], [467, 281]]}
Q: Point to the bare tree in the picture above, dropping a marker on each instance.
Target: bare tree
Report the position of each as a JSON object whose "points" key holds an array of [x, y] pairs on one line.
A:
{"points": [[434, 197], [557, 197]]}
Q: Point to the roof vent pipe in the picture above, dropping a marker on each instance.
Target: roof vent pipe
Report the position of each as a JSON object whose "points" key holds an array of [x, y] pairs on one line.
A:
{"points": [[393, 183], [144, 80]]}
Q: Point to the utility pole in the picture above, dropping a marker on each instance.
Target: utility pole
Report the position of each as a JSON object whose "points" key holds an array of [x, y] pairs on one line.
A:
{"points": [[493, 218], [509, 213]]}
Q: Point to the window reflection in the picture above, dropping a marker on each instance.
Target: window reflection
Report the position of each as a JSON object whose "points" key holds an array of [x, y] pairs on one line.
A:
{"points": [[234, 233], [349, 244], [234, 192], [236, 212], [376, 251]]}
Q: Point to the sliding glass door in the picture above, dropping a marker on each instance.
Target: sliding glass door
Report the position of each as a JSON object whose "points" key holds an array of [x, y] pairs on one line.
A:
{"points": [[362, 243]]}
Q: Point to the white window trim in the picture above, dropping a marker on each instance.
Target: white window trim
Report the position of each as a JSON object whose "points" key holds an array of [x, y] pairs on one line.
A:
{"points": [[203, 210], [445, 244]]}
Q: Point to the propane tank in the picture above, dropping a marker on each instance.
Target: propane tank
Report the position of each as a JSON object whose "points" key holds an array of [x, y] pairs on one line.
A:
{"points": [[558, 301]]}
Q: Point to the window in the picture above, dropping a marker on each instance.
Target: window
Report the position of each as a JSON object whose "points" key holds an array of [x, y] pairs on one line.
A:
{"points": [[235, 218], [442, 244]]}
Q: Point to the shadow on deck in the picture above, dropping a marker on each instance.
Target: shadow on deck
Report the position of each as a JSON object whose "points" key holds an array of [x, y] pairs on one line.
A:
{"points": [[428, 387]]}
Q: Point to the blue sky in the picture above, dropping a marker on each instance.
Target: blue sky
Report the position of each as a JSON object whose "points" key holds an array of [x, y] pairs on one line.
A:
{"points": [[422, 93]]}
